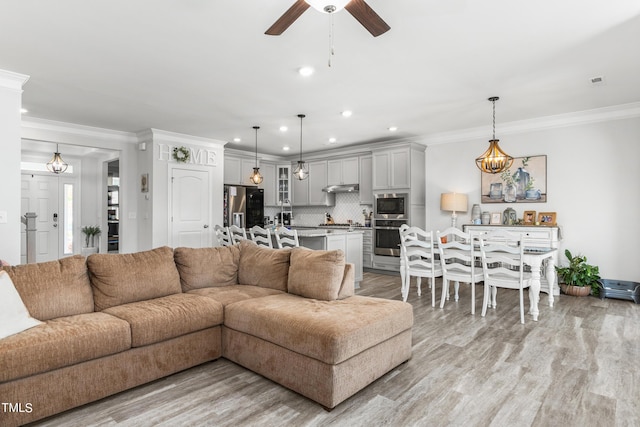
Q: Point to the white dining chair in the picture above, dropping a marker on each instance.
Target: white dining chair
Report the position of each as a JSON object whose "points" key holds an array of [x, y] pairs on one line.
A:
{"points": [[458, 261], [418, 260], [237, 233], [223, 235], [286, 238], [261, 236], [503, 267]]}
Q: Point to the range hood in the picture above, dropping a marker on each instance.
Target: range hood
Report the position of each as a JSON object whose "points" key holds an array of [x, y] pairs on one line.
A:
{"points": [[342, 188]]}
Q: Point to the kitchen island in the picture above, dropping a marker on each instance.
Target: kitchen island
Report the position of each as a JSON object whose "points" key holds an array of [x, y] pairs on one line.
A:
{"points": [[350, 242]]}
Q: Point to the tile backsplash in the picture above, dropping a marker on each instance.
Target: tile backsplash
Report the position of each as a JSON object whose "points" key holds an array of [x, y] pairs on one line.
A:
{"points": [[347, 207]]}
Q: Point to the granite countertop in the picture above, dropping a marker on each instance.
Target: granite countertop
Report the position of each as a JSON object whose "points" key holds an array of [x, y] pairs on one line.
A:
{"points": [[322, 232]]}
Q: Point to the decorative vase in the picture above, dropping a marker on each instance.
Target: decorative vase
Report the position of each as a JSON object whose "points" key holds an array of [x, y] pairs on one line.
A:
{"points": [[510, 193], [576, 291], [486, 218], [509, 216], [475, 213]]}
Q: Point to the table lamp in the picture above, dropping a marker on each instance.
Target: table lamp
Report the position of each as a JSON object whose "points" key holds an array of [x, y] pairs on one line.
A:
{"points": [[453, 202]]}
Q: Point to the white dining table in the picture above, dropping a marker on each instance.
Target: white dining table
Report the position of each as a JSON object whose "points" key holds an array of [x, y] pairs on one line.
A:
{"points": [[534, 257]]}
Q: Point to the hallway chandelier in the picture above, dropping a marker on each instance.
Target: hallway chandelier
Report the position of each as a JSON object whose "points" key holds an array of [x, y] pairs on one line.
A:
{"points": [[494, 160], [56, 164], [255, 177], [301, 171]]}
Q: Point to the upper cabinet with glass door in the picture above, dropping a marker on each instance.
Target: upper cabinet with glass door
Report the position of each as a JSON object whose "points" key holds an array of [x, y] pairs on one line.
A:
{"points": [[283, 180]]}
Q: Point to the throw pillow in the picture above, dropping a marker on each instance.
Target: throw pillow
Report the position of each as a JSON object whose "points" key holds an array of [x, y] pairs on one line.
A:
{"points": [[316, 274], [262, 266], [14, 316]]}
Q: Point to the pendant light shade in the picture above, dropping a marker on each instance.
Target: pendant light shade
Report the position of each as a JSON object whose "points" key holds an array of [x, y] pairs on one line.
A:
{"points": [[255, 177], [494, 160], [56, 164], [301, 171]]}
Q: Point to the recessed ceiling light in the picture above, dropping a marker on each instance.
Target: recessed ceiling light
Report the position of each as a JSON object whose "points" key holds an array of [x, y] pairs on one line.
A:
{"points": [[285, 148], [23, 111], [283, 128], [393, 128], [236, 139], [332, 140], [347, 113], [305, 71]]}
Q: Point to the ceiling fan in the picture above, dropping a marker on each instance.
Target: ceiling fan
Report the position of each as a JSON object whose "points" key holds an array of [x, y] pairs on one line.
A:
{"points": [[357, 8]]}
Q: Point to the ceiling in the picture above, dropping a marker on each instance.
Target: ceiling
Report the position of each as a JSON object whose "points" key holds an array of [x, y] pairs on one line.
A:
{"points": [[206, 68]]}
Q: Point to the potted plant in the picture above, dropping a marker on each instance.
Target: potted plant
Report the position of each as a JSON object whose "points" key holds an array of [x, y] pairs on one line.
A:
{"points": [[89, 232], [578, 278]]}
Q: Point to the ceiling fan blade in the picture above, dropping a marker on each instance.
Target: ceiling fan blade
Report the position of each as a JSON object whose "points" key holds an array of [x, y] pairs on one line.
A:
{"points": [[367, 17], [288, 18]]}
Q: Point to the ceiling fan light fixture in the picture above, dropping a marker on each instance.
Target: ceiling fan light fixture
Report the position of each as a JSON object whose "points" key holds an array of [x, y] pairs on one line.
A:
{"points": [[255, 177], [56, 164], [327, 6], [494, 160]]}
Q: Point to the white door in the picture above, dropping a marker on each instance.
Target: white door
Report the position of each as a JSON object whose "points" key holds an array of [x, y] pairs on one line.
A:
{"points": [[190, 208], [40, 195]]}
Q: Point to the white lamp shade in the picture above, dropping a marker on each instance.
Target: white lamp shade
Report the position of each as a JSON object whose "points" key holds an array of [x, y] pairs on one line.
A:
{"points": [[454, 202]]}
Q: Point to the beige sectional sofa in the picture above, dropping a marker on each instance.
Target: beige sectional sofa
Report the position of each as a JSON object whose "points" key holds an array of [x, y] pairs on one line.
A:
{"points": [[112, 322]]}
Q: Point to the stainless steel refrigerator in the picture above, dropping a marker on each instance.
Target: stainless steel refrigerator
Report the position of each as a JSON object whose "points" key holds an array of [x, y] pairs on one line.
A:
{"points": [[243, 206]]}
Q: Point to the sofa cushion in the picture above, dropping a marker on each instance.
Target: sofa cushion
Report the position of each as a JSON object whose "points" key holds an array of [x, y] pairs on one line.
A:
{"points": [[206, 267], [54, 289], [62, 342], [262, 266], [14, 316], [123, 278], [234, 293], [168, 317], [329, 331], [316, 274]]}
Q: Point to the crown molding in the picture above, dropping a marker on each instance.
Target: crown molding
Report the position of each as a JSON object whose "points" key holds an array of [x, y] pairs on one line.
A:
{"points": [[178, 138], [616, 112], [51, 130], [12, 80]]}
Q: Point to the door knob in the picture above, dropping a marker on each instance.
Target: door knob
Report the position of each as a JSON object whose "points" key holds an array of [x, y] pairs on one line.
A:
{"points": [[206, 226]]}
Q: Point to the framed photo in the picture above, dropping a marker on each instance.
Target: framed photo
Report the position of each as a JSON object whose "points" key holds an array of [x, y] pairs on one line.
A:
{"points": [[529, 217], [144, 183], [524, 182], [496, 218], [547, 218]]}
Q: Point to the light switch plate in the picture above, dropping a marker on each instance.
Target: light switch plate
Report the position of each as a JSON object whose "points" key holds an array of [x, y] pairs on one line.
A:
{"points": [[3, 217]]}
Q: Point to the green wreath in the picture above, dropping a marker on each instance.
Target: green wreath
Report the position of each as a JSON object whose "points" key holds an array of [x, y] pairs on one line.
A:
{"points": [[181, 154]]}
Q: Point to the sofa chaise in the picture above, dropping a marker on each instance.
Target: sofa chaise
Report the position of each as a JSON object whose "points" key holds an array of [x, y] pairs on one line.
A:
{"points": [[111, 322]]}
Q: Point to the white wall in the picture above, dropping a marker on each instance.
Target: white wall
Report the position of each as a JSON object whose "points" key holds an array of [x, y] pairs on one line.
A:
{"points": [[593, 181], [10, 104]]}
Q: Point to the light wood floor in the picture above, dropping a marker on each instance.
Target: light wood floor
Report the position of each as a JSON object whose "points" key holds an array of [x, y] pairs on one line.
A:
{"points": [[579, 365]]}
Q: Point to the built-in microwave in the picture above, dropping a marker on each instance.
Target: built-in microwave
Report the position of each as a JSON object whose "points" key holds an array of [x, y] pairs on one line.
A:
{"points": [[391, 206]]}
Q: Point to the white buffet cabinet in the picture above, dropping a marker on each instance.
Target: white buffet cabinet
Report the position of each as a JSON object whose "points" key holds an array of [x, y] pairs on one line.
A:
{"points": [[534, 236], [350, 242]]}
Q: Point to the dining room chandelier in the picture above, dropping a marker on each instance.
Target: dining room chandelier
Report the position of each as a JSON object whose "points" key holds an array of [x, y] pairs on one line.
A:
{"points": [[494, 160], [56, 164], [301, 171], [255, 177]]}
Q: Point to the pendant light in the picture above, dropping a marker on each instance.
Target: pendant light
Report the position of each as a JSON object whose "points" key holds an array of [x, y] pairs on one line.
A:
{"points": [[301, 171], [255, 177], [494, 160], [56, 164]]}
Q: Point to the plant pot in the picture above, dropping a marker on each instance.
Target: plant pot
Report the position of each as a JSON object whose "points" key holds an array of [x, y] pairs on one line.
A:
{"points": [[576, 291]]}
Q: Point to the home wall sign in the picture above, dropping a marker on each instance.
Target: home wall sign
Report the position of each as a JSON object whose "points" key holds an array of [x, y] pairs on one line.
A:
{"points": [[197, 156], [524, 182]]}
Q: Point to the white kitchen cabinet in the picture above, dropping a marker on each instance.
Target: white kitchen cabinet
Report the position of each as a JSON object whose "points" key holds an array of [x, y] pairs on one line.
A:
{"points": [[237, 170], [269, 183], [283, 183], [392, 169], [351, 245], [343, 171], [309, 191], [366, 172]]}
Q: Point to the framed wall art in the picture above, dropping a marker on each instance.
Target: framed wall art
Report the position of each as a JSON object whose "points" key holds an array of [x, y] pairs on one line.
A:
{"points": [[496, 218], [524, 182]]}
